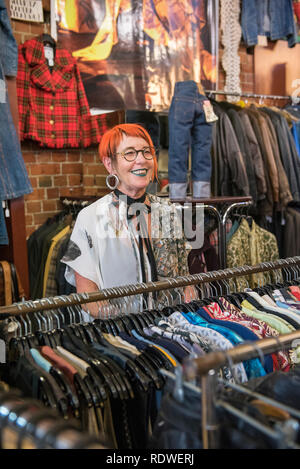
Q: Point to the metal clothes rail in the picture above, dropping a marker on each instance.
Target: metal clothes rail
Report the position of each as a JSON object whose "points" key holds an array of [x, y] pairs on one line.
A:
{"points": [[222, 214], [247, 95], [210, 205], [206, 368], [140, 288]]}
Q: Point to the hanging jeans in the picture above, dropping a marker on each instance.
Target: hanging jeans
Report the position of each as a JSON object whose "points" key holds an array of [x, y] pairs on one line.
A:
{"points": [[188, 128], [14, 180]]}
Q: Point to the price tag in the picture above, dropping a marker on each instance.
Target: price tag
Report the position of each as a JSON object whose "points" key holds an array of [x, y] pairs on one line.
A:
{"points": [[210, 116], [49, 54]]}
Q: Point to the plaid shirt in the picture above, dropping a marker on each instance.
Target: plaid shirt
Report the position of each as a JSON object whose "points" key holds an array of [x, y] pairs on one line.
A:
{"points": [[53, 108]]}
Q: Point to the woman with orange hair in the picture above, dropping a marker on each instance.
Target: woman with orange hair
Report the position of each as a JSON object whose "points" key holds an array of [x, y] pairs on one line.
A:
{"points": [[127, 236]]}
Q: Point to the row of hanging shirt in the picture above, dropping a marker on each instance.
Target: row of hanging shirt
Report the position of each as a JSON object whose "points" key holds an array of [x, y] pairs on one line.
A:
{"points": [[106, 373]]}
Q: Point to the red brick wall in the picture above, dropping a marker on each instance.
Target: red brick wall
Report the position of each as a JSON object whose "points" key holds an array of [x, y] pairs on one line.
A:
{"points": [[56, 174]]}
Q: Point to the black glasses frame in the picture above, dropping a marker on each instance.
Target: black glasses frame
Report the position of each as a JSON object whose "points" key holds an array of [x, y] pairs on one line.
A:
{"points": [[152, 151]]}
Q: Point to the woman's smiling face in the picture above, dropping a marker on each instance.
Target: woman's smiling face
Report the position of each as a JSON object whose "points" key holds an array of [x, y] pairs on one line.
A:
{"points": [[135, 175]]}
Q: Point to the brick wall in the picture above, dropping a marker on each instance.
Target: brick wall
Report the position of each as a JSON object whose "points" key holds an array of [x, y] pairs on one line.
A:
{"points": [[55, 174], [58, 174]]}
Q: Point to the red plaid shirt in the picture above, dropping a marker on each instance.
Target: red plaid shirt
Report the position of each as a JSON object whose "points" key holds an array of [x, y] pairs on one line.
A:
{"points": [[53, 108]]}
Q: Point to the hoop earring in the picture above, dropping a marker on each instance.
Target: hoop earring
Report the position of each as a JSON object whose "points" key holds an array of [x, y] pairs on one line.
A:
{"points": [[116, 181]]}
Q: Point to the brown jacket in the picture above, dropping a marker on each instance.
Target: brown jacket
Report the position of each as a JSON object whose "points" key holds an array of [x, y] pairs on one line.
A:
{"points": [[285, 195]]}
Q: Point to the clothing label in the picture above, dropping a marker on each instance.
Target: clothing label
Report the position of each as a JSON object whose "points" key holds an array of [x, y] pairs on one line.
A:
{"points": [[210, 116], [2, 91], [262, 41], [49, 54]]}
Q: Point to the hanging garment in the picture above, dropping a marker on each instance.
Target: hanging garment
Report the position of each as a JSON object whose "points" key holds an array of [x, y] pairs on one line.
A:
{"points": [[53, 108], [255, 155], [14, 180], [190, 126], [251, 246], [229, 170], [274, 19], [288, 153]]}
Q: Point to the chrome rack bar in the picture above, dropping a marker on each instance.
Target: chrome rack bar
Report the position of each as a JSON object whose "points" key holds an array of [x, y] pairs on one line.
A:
{"points": [[221, 215], [247, 95], [225, 217], [136, 289]]}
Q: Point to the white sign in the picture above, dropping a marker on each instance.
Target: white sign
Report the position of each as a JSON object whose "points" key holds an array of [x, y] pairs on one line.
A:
{"points": [[27, 10]]}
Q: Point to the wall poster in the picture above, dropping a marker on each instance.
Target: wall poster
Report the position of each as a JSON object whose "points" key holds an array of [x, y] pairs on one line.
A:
{"points": [[131, 52]]}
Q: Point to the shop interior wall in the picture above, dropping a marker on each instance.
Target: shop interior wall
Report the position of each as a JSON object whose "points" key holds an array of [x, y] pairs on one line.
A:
{"points": [[63, 173]]}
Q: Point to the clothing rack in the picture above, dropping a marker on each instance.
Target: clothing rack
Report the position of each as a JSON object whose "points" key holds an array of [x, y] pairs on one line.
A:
{"points": [[140, 288], [27, 424], [206, 367], [247, 95], [211, 205]]}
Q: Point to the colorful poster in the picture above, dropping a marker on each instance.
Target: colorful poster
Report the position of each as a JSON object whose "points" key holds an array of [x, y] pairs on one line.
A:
{"points": [[132, 52]]}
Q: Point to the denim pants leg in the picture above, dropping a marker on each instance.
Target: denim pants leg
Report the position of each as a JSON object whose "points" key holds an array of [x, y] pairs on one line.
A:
{"points": [[14, 180], [188, 129]]}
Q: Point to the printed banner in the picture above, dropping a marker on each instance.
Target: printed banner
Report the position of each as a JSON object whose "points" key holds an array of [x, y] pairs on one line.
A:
{"points": [[132, 52]]}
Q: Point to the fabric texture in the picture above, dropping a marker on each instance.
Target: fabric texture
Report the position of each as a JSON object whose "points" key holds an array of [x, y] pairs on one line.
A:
{"points": [[251, 246]]}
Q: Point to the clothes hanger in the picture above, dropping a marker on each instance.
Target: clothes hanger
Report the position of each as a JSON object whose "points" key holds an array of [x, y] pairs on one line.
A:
{"points": [[144, 370], [49, 40], [99, 366], [31, 342], [130, 322], [108, 369], [102, 369]]}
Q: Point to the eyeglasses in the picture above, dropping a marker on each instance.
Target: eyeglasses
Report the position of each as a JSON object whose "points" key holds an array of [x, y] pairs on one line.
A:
{"points": [[130, 154]]}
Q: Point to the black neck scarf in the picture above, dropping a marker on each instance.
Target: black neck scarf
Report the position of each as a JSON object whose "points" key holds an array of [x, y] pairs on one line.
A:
{"points": [[142, 228]]}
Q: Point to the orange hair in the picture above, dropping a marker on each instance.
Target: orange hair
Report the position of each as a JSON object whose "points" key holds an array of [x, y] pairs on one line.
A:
{"points": [[113, 137]]}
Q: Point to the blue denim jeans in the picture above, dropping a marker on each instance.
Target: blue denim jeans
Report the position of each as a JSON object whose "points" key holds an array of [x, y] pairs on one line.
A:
{"points": [[14, 181], [188, 129], [273, 19]]}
